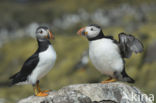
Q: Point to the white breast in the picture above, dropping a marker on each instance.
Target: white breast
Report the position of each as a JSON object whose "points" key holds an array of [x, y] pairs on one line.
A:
{"points": [[46, 62], [105, 56]]}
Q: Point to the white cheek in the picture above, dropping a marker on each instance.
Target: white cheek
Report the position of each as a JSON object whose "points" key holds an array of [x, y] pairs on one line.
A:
{"points": [[43, 34], [92, 34]]}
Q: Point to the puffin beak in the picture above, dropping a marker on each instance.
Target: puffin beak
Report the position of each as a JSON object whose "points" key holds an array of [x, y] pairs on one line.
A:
{"points": [[82, 32], [50, 35]]}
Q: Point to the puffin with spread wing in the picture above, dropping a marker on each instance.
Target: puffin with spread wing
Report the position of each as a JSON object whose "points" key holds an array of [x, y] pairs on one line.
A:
{"points": [[107, 54]]}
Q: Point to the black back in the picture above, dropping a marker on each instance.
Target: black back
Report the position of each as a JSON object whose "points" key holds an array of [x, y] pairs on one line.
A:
{"points": [[30, 63]]}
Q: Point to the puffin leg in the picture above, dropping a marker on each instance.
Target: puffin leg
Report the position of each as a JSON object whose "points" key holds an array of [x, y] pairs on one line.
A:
{"points": [[35, 89], [38, 88], [109, 80], [39, 92]]}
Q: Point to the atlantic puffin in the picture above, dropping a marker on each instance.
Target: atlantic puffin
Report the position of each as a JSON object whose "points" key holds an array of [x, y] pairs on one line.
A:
{"points": [[39, 64], [107, 54]]}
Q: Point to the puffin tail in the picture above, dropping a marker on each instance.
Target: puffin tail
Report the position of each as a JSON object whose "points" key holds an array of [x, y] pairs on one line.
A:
{"points": [[127, 78], [18, 79], [122, 76], [13, 79]]}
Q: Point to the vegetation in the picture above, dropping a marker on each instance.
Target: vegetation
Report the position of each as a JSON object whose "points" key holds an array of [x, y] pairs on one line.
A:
{"points": [[45, 11]]}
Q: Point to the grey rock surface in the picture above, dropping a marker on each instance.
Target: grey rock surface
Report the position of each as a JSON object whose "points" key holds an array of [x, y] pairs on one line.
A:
{"points": [[92, 93]]}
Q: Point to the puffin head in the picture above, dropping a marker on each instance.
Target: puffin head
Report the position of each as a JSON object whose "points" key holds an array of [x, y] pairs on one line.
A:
{"points": [[42, 33], [91, 31]]}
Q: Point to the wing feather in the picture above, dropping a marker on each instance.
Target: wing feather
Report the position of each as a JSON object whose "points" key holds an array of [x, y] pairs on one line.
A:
{"points": [[129, 44], [27, 68]]}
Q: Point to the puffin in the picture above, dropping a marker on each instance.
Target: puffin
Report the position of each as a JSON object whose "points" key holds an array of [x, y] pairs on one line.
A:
{"points": [[107, 54], [39, 64]]}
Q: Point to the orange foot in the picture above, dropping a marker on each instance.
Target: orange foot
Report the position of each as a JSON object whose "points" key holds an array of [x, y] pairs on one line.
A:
{"points": [[45, 91], [108, 80], [42, 94]]}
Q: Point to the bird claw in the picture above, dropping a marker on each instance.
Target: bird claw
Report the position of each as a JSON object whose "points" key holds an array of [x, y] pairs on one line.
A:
{"points": [[45, 91], [108, 81], [42, 94]]}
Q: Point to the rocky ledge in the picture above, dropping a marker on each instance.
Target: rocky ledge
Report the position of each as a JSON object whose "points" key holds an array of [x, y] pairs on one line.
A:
{"points": [[92, 93]]}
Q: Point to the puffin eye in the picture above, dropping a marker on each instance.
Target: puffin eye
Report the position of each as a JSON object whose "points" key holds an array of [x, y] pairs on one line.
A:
{"points": [[41, 31], [91, 29]]}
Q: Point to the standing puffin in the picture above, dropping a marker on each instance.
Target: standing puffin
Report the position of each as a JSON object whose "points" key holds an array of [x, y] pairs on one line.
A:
{"points": [[39, 64], [107, 54]]}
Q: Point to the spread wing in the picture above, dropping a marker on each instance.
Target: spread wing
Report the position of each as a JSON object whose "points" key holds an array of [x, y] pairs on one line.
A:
{"points": [[129, 44], [27, 68]]}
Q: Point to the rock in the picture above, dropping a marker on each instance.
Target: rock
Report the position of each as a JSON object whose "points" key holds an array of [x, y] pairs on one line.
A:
{"points": [[93, 93]]}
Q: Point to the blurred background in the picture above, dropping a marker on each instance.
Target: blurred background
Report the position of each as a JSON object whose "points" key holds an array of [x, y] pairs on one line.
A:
{"points": [[20, 18]]}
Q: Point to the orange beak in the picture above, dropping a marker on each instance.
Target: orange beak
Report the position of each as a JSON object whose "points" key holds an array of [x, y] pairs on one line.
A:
{"points": [[82, 31], [50, 35]]}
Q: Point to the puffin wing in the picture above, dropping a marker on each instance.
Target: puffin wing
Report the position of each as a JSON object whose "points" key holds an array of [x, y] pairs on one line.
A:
{"points": [[30, 64], [27, 68], [129, 44]]}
